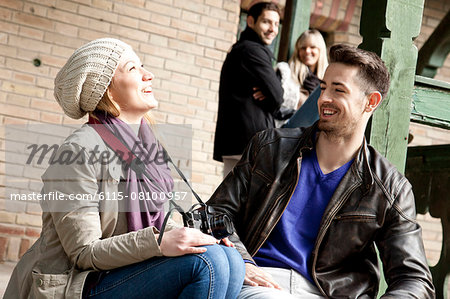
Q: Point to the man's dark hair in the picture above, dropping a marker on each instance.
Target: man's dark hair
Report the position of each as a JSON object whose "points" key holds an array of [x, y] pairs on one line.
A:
{"points": [[256, 10], [372, 70]]}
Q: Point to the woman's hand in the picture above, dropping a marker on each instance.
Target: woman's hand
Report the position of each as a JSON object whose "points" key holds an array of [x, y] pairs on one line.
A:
{"points": [[255, 276], [181, 241]]}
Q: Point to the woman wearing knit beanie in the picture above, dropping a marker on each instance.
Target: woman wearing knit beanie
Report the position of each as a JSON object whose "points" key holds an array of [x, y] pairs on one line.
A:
{"points": [[109, 248]]}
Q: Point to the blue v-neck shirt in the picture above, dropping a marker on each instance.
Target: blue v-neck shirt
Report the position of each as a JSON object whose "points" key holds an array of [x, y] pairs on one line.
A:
{"points": [[292, 240]]}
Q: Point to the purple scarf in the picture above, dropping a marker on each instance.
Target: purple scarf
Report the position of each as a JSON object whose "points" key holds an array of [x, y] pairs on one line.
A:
{"points": [[150, 212]]}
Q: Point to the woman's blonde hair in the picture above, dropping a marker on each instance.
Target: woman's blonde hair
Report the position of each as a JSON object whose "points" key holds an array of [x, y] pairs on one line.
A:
{"points": [[299, 69]]}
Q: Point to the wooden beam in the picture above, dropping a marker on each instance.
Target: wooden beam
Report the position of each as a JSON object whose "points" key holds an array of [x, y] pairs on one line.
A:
{"points": [[435, 50], [388, 28], [431, 102]]}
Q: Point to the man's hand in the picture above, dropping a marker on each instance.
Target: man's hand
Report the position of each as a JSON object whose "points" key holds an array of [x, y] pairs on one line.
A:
{"points": [[258, 95], [181, 241], [255, 276]]}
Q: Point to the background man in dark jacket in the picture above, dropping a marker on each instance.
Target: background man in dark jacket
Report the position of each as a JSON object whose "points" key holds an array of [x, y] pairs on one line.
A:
{"points": [[248, 70], [310, 204]]}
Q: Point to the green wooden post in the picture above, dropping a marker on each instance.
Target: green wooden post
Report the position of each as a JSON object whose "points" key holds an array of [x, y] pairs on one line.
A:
{"points": [[388, 28], [296, 21]]}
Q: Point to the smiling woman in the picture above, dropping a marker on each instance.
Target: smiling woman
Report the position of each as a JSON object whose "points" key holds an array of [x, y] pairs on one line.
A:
{"points": [[92, 247]]}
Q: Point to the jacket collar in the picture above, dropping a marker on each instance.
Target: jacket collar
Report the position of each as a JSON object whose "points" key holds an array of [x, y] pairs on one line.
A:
{"points": [[250, 35], [363, 165], [362, 159]]}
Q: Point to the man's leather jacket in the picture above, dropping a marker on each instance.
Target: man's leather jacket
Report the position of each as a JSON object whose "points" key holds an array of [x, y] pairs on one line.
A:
{"points": [[373, 205]]}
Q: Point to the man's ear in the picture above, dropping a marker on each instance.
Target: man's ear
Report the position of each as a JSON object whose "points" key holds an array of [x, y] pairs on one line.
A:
{"points": [[373, 102], [250, 21]]}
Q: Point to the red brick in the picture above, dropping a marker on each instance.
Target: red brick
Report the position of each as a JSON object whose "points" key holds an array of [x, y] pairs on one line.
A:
{"points": [[9, 27], [139, 3], [103, 4], [131, 11], [130, 33], [32, 20], [3, 244], [31, 33], [12, 230], [216, 3], [129, 22], [51, 118], [5, 14], [164, 9], [24, 78], [186, 36], [160, 19], [188, 26], [32, 232], [189, 5], [35, 9], [67, 17], [162, 30], [13, 4], [204, 62], [190, 16], [98, 14], [62, 40], [44, 2]]}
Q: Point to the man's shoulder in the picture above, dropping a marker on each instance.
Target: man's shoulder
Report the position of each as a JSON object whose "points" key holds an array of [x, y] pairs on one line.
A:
{"points": [[285, 138], [385, 173], [249, 46]]}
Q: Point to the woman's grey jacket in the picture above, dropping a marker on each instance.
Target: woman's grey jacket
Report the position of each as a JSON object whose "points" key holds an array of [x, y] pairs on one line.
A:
{"points": [[80, 236]]}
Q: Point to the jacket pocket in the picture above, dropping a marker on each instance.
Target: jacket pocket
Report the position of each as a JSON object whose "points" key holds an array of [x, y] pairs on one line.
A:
{"points": [[49, 285], [359, 217]]}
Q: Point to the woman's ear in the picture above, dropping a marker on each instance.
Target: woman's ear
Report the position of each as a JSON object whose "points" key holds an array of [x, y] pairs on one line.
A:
{"points": [[375, 98]]}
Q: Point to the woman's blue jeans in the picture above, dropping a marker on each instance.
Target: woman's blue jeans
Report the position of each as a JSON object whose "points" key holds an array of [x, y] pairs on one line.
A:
{"points": [[217, 273]]}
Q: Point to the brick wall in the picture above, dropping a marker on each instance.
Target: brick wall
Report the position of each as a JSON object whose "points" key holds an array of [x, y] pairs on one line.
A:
{"points": [[182, 42]]}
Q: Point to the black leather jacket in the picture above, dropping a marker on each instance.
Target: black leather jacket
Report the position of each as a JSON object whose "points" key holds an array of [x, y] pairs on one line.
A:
{"points": [[373, 204]]}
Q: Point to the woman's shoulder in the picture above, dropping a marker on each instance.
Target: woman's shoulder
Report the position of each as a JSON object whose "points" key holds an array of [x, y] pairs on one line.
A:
{"points": [[85, 137]]}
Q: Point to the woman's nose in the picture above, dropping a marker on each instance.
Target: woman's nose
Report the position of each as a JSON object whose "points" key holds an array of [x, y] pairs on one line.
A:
{"points": [[147, 76]]}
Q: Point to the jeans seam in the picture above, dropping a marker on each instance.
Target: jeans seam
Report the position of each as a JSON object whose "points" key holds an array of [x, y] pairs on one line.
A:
{"points": [[291, 282], [124, 279], [211, 271]]}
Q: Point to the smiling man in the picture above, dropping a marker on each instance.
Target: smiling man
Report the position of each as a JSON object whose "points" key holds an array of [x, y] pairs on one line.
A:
{"points": [[310, 204], [248, 66]]}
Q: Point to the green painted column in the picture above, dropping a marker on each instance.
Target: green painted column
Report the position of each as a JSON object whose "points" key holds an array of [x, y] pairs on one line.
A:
{"points": [[296, 21], [388, 28]]}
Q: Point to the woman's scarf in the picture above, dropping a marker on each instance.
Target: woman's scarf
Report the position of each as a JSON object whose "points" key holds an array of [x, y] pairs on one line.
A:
{"points": [[149, 212]]}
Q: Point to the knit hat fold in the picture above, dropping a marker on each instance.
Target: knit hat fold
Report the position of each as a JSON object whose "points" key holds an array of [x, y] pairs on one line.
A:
{"points": [[82, 81]]}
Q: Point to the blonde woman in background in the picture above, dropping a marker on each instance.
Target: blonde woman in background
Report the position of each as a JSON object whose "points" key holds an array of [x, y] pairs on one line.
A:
{"points": [[300, 76]]}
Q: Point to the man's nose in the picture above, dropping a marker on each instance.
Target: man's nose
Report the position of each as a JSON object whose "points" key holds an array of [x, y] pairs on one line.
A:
{"points": [[324, 97]]}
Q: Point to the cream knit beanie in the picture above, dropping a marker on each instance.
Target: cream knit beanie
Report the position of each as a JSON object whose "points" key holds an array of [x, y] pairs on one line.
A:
{"points": [[83, 80]]}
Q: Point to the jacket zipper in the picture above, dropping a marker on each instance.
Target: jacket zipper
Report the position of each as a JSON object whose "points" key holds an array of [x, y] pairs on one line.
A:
{"points": [[278, 219], [324, 229]]}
